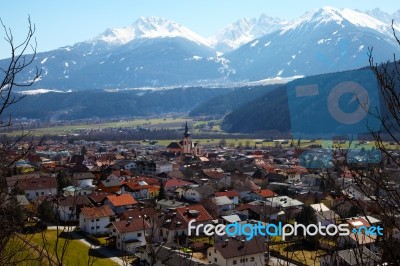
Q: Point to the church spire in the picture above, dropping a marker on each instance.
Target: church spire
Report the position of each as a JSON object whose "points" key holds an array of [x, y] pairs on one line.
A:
{"points": [[187, 133]]}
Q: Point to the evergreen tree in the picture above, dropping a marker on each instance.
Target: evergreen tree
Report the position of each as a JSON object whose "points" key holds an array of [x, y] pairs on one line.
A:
{"points": [[161, 193]]}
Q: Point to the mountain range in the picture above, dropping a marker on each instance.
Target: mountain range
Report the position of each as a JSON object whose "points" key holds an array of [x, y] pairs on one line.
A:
{"points": [[157, 52]]}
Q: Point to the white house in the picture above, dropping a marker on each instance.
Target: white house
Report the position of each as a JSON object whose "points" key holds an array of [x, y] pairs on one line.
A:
{"points": [[198, 193], [127, 235], [93, 220], [231, 194], [238, 252], [36, 187], [69, 208], [224, 205]]}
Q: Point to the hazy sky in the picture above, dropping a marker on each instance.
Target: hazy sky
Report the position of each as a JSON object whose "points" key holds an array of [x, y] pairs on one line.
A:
{"points": [[60, 23]]}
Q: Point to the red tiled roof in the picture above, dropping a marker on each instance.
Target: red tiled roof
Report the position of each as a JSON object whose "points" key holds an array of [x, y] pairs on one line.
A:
{"points": [[136, 186], [121, 200], [194, 212], [38, 183], [134, 225], [98, 196], [173, 182], [266, 193], [97, 212], [229, 194]]}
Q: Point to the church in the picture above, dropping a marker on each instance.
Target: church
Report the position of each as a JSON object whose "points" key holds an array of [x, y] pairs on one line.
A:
{"points": [[186, 146]]}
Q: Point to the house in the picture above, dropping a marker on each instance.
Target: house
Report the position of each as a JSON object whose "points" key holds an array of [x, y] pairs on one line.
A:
{"points": [[112, 184], [357, 240], [194, 212], [324, 215], [223, 205], [98, 197], [84, 181], [285, 202], [120, 202], [217, 175], [231, 194], [167, 205], [138, 189], [168, 256], [36, 187], [173, 226], [262, 194], [128, 235], [153, 167], [258, 211], [198, 193], [235, 251], [93, 220], [351, 257], [68, 208], [172, 184], [125, 165]]}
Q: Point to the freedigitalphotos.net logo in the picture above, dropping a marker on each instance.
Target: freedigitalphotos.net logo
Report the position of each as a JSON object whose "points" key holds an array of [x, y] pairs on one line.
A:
{"points": [[250, 230]]}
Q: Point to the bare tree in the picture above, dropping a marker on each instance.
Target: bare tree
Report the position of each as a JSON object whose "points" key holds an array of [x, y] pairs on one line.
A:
{"points": [[13, 216]]}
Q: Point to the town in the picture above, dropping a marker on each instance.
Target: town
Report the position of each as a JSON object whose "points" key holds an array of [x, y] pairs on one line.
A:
{"points": [[131, 203]]}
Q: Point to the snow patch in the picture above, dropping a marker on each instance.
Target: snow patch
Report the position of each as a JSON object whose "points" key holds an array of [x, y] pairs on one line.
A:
{"points": [[280, 72], [254, 43], [44, 61], [66, 64], [41, 91], [360, 48], [267, 44]]}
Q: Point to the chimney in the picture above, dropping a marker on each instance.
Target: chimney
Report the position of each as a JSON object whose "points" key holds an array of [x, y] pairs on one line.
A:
{"points": [[129, 220], [226, 242]]}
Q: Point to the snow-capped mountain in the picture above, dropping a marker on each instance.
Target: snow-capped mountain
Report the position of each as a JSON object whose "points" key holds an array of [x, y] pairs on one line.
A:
{"points": [[151, 52], [243, 31], [149, 27], [159, 52], [384, 16], [320, 41]]}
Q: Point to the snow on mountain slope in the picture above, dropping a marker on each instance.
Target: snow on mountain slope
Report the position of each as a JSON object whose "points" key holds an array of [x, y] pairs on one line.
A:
{"points": [[321, 41], [243, 31], [384, 16], [149, 27], [339, 16]]}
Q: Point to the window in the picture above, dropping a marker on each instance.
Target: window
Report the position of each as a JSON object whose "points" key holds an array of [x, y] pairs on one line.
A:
{"points": [[42, 193], [215, 250], [37, 194], [252, 259], [139, 234], [234, 262], [97, 220], [215, 260], [92, 228], [93, 221], [209, 254], [27, 194], [70, 208], [97, 227]]}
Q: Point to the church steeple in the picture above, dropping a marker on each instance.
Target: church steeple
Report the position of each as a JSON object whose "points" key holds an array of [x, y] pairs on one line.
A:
{"points": [[186, 134], [187, 141]]}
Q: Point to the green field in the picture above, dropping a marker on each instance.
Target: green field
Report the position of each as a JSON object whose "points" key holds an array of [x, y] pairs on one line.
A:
{"points": [[77, 253]]}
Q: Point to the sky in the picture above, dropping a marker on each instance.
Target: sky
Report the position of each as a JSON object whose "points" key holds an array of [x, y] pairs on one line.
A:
{"points": [[61, 23]]}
